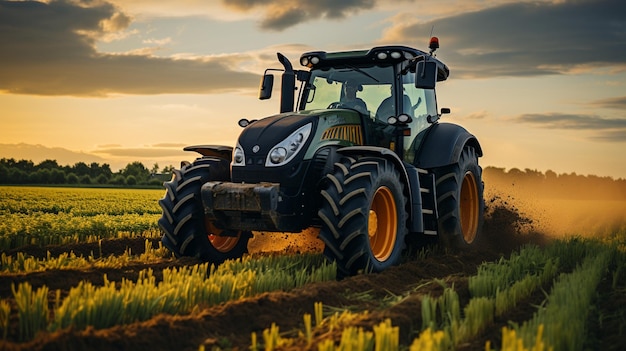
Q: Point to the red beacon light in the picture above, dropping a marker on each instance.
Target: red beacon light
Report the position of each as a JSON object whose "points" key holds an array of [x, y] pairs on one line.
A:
{"points": [[433, 44]]}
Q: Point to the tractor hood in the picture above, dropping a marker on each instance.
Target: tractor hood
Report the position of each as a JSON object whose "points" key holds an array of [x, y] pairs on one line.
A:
{"points": [[297, 134], [258, 138]]}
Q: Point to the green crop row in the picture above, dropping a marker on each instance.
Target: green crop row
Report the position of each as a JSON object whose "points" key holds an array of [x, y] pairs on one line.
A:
{"points": [[559, 325], [568, 304], [180, 291], [56, 216], [78, 201], [21, 263], [570, 301], [530, 261], [495, 289], [58, 229]]}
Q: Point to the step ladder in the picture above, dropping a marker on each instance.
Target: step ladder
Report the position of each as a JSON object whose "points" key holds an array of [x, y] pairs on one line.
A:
{"points": [[429, 201]]}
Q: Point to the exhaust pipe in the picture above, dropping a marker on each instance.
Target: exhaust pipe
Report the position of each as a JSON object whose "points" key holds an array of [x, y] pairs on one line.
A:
{"points": [[288, 85]]}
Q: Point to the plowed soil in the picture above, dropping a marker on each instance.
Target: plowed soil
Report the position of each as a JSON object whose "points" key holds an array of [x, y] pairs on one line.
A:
{"points": [[229, 326]]}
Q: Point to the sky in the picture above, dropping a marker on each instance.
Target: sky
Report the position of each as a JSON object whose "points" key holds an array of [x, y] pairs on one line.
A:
{"points": [[541, 84]]}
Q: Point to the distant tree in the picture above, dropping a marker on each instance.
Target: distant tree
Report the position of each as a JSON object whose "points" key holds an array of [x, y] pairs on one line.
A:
{"points": [[155, 182], [168, 169], [35, 177], [4, 174], [131, 180], [95, 170], [84, 179], [102, 179], [154, 169], [137, 170], [106, 170], [48, 164], [17, 176], [118, 180], [72, 178], [533, 174], [42, 176], [57, 176], [25, 166], [550, 175], [81, 169]]}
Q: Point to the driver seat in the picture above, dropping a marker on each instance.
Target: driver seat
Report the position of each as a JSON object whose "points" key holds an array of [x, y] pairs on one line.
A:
{"points": [[387, 108]]}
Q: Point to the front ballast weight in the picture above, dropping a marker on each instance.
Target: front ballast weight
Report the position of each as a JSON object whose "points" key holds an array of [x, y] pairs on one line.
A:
{"points": [[253, 205]]}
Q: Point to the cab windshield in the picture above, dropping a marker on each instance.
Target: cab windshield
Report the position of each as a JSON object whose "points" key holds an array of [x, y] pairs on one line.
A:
{"points": [[341, 87], [371, 91]]}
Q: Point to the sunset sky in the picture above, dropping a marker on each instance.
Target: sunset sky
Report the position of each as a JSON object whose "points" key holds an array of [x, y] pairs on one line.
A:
{"points": [[542, 84]]}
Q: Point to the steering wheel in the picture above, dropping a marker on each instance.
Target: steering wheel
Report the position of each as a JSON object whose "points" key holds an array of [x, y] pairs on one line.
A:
{"points": [[337, 104]]}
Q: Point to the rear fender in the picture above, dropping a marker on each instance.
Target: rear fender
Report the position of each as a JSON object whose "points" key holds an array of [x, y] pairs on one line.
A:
{"points": [[219, 151], [443, 145], [409, 178]]}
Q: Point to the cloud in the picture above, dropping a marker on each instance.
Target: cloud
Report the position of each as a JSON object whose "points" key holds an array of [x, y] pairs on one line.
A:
{"points": [[49, 49], [526, 39], [140, 153], [170, 145], [614, 136], [616, 103], [281, 14], [605, 129], [478, 115]]}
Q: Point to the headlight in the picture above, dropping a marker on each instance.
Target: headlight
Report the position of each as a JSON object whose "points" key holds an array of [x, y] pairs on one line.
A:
{"points": [[239, 159], [284, 151], [278, 155]]}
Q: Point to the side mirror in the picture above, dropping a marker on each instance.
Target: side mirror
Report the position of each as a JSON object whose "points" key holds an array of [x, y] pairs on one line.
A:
{"points": [[426, 75], [267, 83]]}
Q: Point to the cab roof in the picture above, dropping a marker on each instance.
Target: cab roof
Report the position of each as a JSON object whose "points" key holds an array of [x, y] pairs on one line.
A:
{"points": [[378, 55]]}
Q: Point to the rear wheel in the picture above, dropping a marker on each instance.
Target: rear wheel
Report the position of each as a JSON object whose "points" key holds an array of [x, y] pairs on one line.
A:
{"points": [[187, 231], [364, 215], [460, 200]]}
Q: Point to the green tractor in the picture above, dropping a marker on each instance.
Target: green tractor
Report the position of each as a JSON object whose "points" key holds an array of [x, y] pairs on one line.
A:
{"points": [[359, 154]]}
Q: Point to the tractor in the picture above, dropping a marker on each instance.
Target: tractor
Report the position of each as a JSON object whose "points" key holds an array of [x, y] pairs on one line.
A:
{"points": [[356, 151]]}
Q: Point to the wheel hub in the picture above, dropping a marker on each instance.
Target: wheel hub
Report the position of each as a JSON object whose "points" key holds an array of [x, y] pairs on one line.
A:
{"points": [[221, 243], [382, 224], [468, 206]]}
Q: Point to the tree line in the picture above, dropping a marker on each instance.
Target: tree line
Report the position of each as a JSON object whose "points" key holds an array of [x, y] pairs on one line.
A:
{"points": [[50, 172], [553, 185], [548, 184]]}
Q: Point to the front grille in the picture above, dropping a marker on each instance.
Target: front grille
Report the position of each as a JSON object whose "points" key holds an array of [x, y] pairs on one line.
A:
{"points": [[351, 133]]}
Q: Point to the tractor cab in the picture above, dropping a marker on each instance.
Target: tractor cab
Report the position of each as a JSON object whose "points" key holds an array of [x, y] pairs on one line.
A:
{"points": [[390, 87]]}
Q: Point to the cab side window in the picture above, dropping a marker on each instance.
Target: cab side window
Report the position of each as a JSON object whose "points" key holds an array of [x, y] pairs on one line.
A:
{"points": [[422, 104]]}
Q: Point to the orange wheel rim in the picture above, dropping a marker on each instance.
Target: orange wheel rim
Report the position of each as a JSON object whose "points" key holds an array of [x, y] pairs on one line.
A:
{"points": [[382, 224], [221, 243], [469, 207]]}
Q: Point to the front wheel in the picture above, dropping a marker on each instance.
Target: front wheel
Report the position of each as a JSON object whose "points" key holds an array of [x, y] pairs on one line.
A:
{"points": [[364, 215], [187, 231], [460, 200]]}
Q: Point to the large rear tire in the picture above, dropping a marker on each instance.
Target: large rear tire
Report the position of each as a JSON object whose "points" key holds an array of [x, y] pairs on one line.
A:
{"points": [[460, 201], [186, 230], [364, 216]]}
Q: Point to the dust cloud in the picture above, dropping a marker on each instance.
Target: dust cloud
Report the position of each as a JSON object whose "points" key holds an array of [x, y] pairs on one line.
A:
{"points": [[295, 243], [559, 205]]}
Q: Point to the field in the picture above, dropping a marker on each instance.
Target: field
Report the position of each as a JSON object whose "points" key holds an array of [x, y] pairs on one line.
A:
{"points": [[83, 269]]}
